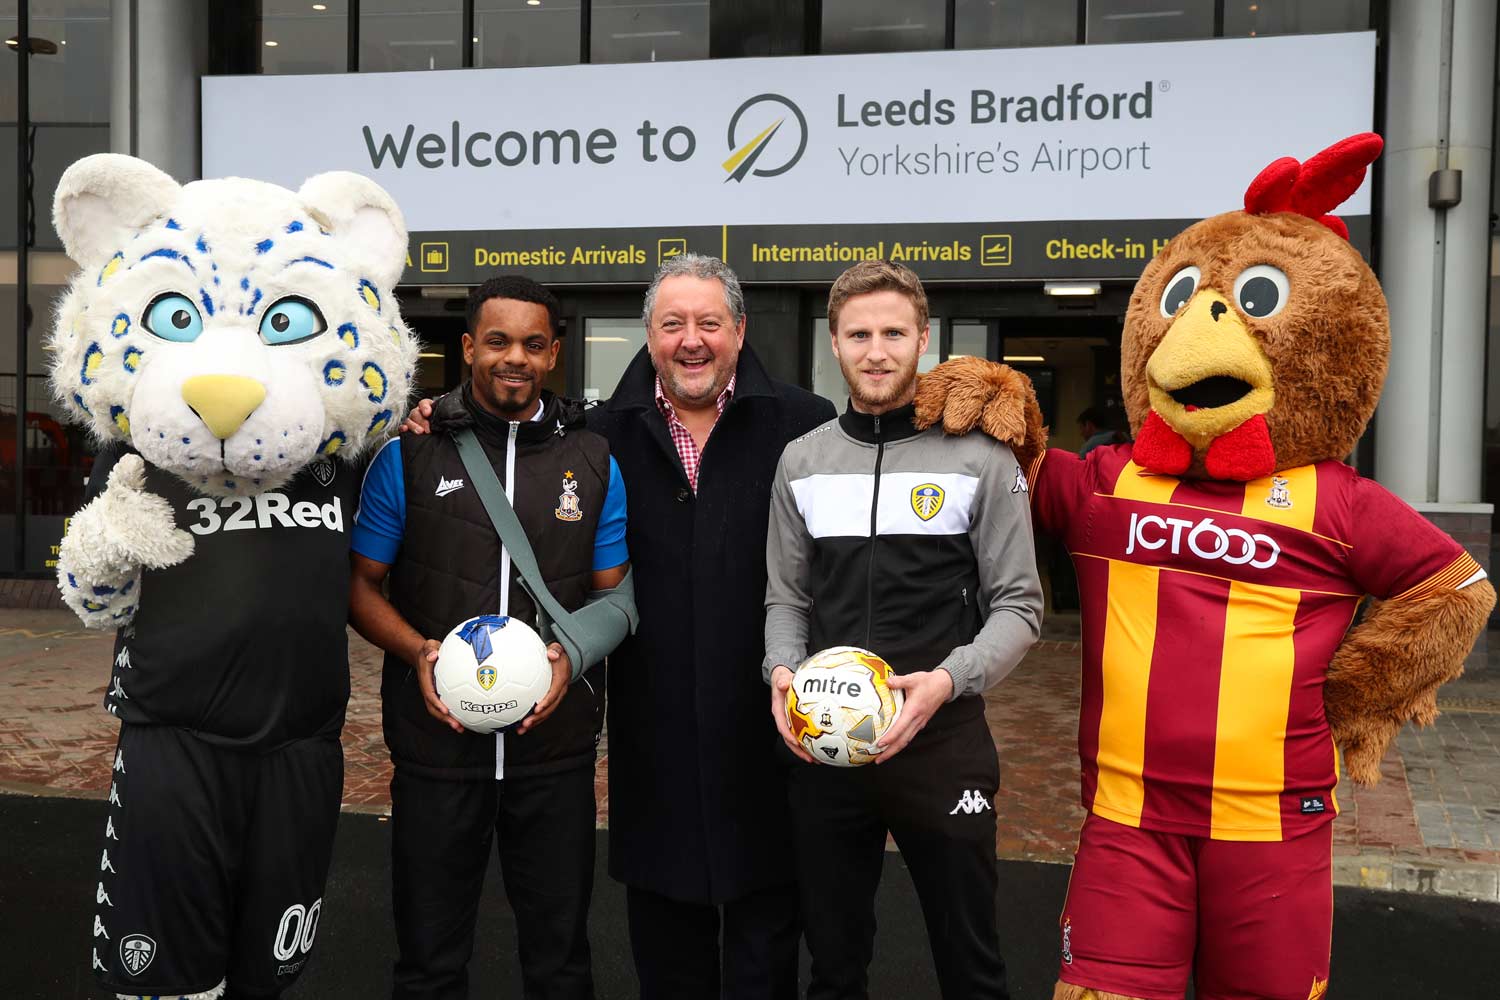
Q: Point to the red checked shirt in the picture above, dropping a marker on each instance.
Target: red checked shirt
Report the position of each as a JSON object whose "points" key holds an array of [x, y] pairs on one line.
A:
{"points": [[687, 448]]}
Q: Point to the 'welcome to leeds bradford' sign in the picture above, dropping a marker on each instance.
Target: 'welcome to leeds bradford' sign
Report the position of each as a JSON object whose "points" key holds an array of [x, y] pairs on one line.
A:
{"points": [[996, 164]]}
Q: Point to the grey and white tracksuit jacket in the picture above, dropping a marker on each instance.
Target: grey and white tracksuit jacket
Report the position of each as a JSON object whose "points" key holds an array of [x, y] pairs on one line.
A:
{"points": [[913, 544]]}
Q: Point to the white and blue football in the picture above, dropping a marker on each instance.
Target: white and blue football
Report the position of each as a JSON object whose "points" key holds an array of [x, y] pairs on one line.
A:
{"points": [[491, 671]]}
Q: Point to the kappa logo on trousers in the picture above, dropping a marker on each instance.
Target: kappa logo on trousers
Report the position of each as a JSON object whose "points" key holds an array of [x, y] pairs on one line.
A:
{"points": [[972, 802]]}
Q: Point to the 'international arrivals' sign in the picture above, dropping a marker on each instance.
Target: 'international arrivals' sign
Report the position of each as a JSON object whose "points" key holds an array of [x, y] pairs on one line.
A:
{"points": [[993, 165]]}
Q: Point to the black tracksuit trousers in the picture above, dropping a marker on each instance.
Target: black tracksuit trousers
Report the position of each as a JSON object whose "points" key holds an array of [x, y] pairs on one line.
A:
{"points": [[543, 828], [936, 798]]}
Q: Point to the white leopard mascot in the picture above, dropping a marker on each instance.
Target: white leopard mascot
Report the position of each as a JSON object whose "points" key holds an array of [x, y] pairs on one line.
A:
{"points": [[238, 348]]}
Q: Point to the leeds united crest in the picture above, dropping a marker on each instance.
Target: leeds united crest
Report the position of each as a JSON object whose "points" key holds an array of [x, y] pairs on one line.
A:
{"points": [[927, 500], [323, 470], [137, 951]]}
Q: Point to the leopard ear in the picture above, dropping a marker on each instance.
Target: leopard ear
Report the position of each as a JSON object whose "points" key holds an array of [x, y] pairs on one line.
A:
{"points": [[354, 207], [103, 200]]}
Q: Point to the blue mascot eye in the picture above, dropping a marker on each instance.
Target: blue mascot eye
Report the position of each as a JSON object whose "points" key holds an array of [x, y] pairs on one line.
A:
{"points": [[291, 321], [174, 317]]}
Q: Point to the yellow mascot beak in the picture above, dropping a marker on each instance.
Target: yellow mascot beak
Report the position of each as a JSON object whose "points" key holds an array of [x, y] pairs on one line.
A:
{"points": [[1209, 375], [223, 402]]}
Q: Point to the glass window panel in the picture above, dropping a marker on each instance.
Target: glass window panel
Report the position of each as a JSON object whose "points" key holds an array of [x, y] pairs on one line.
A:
{"points": [[883, 25], [828, 378], [969, 340], [53, 149], [299, 36], [58, 452], [983, 24], [8, 114], [660, 31], [70, 75], [527, 32], [609, 345], [401, 35], [432, 366], [1294, 17], [1149, 20]]}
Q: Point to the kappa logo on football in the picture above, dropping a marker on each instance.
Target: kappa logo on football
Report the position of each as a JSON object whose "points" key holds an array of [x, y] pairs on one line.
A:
{"points": [[446, 486], [137, 951], [971, 803], [927, 500]]}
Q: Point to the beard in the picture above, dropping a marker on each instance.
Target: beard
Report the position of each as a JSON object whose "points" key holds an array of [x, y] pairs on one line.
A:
{"points": [[885, 393]]}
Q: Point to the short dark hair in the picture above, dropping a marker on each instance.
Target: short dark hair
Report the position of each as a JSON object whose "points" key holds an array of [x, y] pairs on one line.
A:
{"points": [[517, 287]]}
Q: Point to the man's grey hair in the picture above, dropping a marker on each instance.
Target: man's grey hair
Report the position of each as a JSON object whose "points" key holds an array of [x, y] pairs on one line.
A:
{"points": [[698, 265]]}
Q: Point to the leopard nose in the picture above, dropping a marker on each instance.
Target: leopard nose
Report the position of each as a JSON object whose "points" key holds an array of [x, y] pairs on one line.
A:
{"points": [[223, 402]]}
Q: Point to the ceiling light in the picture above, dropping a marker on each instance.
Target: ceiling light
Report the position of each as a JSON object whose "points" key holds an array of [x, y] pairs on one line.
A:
{"points": [[37, 46], [1015, 358], [533, 3], [475, 39], [272, 45], [320, 6], [444, 292], [606, 340], [1142, 15], [1070, 288]]}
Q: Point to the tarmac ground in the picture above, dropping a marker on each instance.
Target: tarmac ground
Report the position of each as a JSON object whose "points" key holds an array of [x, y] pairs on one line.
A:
{"points": [[1386, 945]]}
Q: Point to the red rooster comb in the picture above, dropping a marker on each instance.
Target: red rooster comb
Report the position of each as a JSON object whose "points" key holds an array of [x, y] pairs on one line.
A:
{"points": [[1318, 186]]}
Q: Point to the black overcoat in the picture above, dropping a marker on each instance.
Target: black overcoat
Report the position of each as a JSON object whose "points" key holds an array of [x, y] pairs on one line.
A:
{"points": [[697, 796]]}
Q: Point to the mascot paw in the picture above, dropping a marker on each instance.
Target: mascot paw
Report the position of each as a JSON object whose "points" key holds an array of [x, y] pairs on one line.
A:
{"points": [[966, 393], [1362, 737], [117, 534], [107, 602], [138, 526]]}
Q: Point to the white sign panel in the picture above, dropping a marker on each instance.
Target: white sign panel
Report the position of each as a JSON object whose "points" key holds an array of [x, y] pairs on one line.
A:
{"points": [[1154, 131]]}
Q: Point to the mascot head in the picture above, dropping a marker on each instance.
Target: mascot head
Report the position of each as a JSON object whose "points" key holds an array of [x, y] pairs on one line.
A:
{"points": [[1258, 340], [231, 331]]}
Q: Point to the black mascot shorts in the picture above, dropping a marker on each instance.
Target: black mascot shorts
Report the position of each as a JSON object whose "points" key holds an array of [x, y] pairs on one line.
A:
{"points": [[213, 863]]}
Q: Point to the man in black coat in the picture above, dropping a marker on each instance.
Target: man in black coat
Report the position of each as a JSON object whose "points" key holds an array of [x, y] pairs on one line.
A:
{"points": [[699, 831]]}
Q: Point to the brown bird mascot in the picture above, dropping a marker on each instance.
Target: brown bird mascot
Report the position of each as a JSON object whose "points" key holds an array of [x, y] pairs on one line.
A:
{"points": [[1220, 561]]}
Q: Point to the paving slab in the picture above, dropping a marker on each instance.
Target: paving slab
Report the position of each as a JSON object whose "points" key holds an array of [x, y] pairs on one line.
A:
{"points": [[1432, 824]]}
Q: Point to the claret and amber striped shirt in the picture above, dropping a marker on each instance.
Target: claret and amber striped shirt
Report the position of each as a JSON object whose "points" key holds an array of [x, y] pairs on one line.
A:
{"points": [[1210, 612]]}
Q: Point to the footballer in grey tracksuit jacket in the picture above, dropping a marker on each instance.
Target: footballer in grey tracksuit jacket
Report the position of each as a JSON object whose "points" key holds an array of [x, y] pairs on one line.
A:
{"points": [[915, 545]]}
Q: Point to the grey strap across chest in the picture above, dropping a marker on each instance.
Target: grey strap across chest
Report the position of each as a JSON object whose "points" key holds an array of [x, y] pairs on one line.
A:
{"points": [[513, 537]]}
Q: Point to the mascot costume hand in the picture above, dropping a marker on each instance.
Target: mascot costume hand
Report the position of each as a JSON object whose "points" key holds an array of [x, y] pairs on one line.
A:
{"points": [[1221, 559], [229, 332]]}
